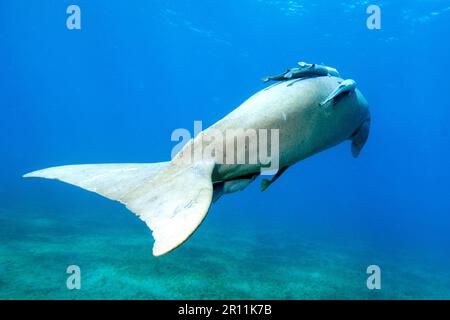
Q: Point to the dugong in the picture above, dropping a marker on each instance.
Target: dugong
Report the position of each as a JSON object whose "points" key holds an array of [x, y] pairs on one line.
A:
{"points": [[173, 197]]}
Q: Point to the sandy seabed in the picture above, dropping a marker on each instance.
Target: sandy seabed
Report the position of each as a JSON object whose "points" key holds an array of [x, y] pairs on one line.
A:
{"points": [[244, 263]]}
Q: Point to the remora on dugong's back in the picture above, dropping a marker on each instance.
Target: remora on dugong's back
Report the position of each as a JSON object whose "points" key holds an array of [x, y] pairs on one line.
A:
{"points": [[173, 198]]}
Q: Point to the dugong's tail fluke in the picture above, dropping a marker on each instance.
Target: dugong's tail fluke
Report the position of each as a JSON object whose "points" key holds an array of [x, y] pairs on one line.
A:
{"points": [[112, 181], [171, 199]]}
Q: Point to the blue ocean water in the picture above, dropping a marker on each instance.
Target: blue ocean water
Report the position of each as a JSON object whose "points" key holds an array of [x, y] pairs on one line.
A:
{"points": [[116, 89]]}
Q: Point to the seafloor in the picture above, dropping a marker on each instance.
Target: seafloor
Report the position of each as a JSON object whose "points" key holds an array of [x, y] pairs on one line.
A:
{"points": [[239, 259]]}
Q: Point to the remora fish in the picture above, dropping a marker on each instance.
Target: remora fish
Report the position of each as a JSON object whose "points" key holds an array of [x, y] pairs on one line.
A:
{"points": [[173, 198]]}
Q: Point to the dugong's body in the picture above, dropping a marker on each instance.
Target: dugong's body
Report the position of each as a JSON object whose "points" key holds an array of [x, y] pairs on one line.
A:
{"points": [[174, 197], [305, 128]]}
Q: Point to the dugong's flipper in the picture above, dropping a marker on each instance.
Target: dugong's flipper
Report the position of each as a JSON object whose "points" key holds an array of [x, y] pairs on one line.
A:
{"points": [[359, 138], [172, 199], [266, 183]]}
